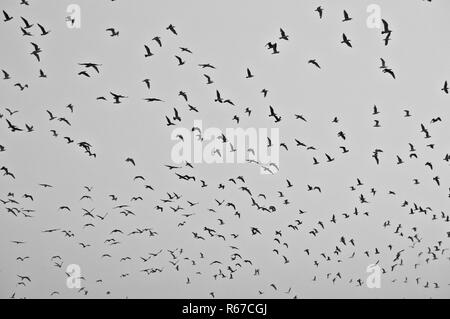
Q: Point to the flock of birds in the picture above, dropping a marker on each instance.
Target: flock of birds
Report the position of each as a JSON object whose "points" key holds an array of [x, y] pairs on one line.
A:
{"points": [[201, 219]]}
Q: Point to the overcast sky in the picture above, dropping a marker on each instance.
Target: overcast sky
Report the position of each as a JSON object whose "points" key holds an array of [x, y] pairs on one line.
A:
{"points": [[231, 35]]}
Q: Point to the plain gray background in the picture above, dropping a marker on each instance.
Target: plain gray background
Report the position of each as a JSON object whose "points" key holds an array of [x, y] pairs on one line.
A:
{"points": [[230, 35]]}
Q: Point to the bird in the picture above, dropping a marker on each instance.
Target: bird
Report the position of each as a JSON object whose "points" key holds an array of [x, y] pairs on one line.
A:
{"points": [[21, 86], [25, 32], [148, 53], [204, 215], [147, 83], [13, 127], [249, 74], [283, 35], [445, 87], [130, 160], [375, 110], [158, 40], [11, 112], [27, 24], [346, 17], [153, 99], [6, 75], [183, 49], [43, 30], [42, 74], [255, 231], [176, 117], [314, 62], [117, 97], [184, 95], [62, 119], [385, 27], [206, 65], [273, 47], [171, 28], [208, 79], [169, 123], [113, 32], [319, 10], [345, 40], [88, 65], [389, 71], [274, 115], [180, 60], [52, 117]]}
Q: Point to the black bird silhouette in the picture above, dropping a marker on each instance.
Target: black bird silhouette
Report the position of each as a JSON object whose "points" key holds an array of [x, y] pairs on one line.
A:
{"points": [[148, 53], [21, 86], [445, 88], [95, 66], [389, 71], [117, 97], [249, 74], [130, 160], [13, 127], [7, 16], [346, 17], [255, 231], [176, 117], [169, 123], [180, 60], [113, 32], [10, 112], [314, 62], [172, 29], [319, 10], [153, 99], [345, 40], [274, 115], [179, 209], [208, 79], [27, 24], [6, 76], [283, 35], [52, 117], [25, 32], [42, 74], [185, 50], [385, 27], [158, 40], [273, 47], [43, 31], [84, 73], [206, 65]]}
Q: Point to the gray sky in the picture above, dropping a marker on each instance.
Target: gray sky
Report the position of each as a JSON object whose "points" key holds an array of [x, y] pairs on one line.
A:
{"points": [[231, 36]]}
